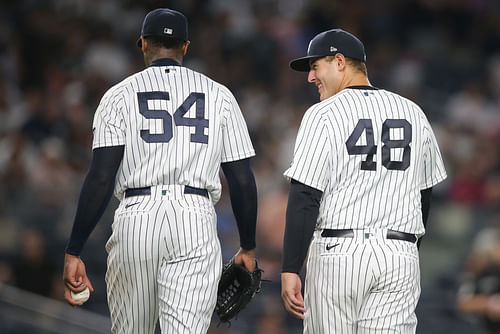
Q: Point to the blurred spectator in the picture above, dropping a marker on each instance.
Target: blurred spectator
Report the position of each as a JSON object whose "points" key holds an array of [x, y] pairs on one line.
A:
{"points": [[479, 293], [31, 269], [5, 272], [57, 58]]}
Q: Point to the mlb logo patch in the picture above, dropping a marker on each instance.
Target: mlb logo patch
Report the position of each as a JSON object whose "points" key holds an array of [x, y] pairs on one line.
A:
{"points": [[168, 31]]}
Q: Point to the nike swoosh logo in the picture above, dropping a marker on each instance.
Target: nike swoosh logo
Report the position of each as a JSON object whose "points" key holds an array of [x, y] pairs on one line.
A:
{"points": [[129, 205], [328, 247]]}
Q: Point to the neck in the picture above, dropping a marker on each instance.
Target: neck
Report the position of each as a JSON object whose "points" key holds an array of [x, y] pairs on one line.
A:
{"points": [[148, 59], [357, 79]]}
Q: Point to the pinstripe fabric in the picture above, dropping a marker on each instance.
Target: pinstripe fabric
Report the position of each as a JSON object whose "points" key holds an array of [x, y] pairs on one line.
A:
{"points": [[164, 257], [356, 198], [118, 121], [370, 152], [363, 285]]}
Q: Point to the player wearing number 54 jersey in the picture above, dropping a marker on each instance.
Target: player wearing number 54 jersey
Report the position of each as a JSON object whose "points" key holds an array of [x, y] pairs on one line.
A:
{"points": [[160, 139], [364, 163]]}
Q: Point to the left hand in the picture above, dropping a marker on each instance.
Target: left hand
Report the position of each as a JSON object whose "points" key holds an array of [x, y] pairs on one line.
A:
{"points": [[75, 278], [246, 258], [291, 294]]}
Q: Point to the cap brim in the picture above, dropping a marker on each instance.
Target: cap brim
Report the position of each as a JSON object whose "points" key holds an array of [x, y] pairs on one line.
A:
{"points": [[302, 64], [139, 43]]}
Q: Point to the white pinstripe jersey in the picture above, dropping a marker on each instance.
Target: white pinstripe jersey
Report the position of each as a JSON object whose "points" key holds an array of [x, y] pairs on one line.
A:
{"points": [[370, 152], [177, 126]]}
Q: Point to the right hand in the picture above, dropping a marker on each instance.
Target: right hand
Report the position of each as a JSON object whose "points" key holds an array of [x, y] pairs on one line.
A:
{"points": [[291, 294], [245, 257], [75, 278]]}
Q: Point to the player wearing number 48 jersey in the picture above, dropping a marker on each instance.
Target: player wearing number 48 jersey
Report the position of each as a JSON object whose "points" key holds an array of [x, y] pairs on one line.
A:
{"points": [[364, 164], [160, 139]]}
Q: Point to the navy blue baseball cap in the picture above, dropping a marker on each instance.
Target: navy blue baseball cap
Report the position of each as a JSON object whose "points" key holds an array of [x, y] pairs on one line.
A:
{"points": [[164, 22], [329, 43]]}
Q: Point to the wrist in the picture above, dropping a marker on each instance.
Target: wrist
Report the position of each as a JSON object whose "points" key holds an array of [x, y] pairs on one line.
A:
{"points": [[247, 252], [289, 272], [248, 245]]}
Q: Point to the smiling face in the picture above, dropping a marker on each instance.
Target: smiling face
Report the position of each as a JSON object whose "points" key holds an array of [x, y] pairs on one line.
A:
{"points": [[327, 73]]}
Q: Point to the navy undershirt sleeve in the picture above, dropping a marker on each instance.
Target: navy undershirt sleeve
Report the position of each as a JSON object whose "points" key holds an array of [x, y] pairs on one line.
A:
{"points": [[95, 195], [243, 193], [301, 216], [425, 199]]}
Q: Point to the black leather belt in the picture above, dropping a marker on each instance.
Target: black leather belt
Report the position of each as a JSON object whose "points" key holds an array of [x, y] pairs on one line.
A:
{"points": [[138, 192], [196, 191], [349, 233], [327, 233], [147, 191], [401, 236]]}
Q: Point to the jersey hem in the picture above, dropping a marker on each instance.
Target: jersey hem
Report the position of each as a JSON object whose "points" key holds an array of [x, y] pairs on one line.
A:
{"points": [[241, 156], [99, 145], [305, 181], [435, 181]]}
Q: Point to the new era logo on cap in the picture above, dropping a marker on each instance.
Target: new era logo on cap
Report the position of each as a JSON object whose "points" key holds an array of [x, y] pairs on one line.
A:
{"points": [[333, 49], [168, 31]]}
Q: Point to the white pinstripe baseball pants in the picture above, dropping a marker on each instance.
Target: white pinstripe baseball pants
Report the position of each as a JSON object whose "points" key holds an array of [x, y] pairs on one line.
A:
{"points": [[365, 285], [164, 261]]}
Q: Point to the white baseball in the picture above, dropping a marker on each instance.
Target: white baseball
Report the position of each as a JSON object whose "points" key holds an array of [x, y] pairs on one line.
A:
{"points": [[82, 296]]}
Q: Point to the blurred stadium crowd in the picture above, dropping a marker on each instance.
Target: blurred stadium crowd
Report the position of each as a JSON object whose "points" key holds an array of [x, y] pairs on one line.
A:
{"points": [[58, 57]]}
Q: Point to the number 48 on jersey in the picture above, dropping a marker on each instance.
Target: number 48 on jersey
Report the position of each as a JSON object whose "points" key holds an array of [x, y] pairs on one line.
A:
{"points": [[370, 149]]}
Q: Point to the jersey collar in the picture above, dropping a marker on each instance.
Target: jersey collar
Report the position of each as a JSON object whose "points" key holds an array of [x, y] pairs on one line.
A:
{"points": [[164, 62], [362, 87]]}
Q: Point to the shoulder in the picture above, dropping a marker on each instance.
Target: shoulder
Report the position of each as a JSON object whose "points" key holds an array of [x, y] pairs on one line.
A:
{"points": [[323, 108], [213, 86], [411, 109], [316, 114], [219, 88], [124, 87], [339, 100], [409, 104]]}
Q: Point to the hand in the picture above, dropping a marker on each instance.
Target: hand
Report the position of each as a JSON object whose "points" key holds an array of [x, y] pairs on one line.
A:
{"points": [[291, 286], [246, 258], [493, 307], [75, 278]]}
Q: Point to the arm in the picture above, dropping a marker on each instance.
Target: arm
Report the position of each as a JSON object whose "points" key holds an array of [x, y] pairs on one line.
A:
{"points": [[425, 199], [243, 193], [301, 215], [94, 197]]}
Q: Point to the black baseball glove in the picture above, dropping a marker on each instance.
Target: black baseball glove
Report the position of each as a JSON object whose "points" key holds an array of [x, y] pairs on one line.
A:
{"points": [[237, 286]]}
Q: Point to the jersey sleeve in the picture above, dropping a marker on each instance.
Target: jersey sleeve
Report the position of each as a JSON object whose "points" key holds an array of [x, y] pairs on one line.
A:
{"points": [[109, 127], [312, 153], [433, 170], [236, 142]]}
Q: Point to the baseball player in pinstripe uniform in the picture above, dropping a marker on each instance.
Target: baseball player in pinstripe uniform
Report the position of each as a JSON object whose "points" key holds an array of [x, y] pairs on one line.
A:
{"points": [[160, 138], [364, 164]]}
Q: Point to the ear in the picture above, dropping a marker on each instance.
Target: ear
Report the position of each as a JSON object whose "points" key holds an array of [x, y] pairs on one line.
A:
{"points": [[185, 48], [340, 61], [144, 44]]}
